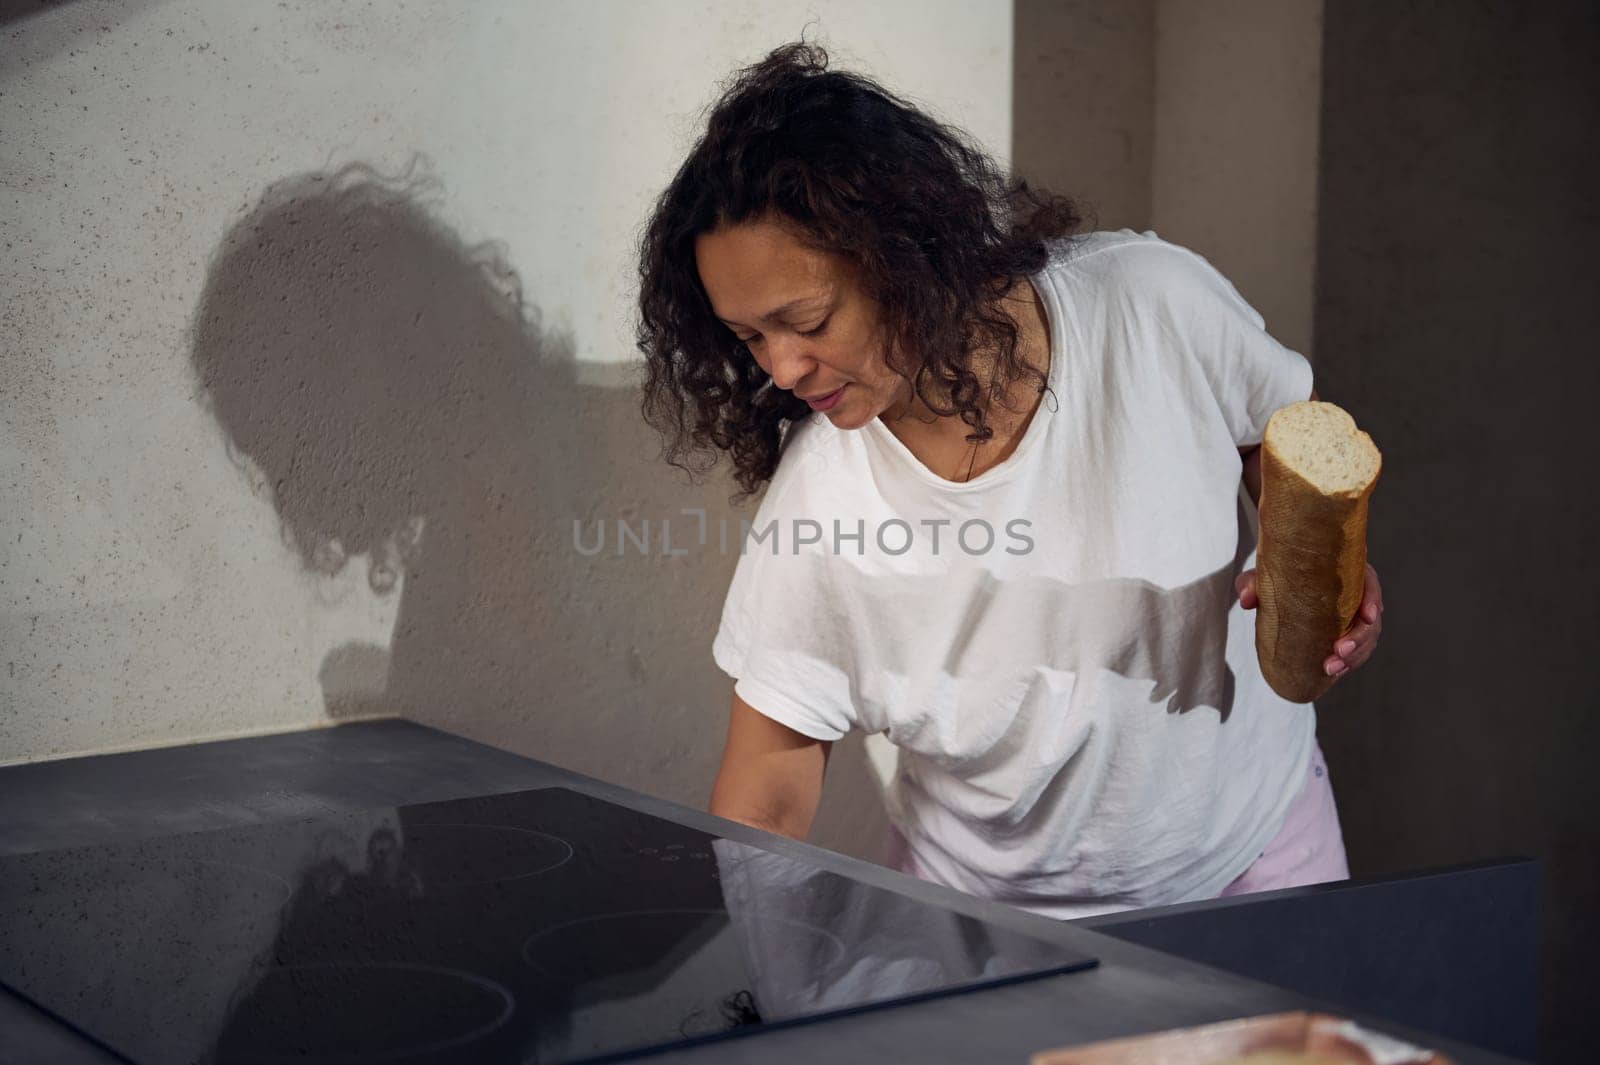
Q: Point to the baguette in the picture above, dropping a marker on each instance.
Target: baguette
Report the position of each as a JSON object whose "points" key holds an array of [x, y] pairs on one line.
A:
{"points": [[1317, 475]]}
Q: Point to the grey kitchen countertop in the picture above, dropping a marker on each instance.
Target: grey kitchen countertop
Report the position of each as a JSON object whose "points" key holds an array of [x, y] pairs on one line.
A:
{"points": [[120, 798]]}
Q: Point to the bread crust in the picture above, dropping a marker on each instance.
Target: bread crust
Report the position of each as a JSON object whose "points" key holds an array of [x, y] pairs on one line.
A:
{"points": [[1310, 565]]}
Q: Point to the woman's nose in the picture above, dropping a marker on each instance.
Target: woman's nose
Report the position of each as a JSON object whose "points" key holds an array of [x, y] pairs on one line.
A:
{"points": [[790, 361]]}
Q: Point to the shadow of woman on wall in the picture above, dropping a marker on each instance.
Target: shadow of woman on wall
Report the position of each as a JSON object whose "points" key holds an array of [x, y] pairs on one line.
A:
{"points": [[391, 390]]}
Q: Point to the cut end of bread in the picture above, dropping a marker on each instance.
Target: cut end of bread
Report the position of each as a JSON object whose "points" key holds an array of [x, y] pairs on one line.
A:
{"points": [[1320, 442]]}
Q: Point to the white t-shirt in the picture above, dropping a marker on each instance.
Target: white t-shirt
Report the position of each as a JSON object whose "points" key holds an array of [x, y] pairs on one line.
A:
{"points": [[1055, 647]]}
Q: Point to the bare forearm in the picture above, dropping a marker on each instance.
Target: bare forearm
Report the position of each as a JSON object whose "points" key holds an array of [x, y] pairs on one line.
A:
{"points": [[764, 811], [770, 777]]}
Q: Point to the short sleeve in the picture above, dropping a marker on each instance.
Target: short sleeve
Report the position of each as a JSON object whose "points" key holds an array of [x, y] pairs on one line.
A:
{"points": [[783, 634], [1249, 373]]}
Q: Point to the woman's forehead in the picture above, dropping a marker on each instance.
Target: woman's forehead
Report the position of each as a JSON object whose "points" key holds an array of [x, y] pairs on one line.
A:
{"points": [[760, 271]]}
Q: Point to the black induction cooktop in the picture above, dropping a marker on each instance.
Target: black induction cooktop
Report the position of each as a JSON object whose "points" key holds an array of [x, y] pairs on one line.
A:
{"points": [[537, 926]]}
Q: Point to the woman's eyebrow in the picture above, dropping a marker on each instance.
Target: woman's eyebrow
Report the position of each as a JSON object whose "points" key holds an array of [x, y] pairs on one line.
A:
{"points": [[778, 312]]}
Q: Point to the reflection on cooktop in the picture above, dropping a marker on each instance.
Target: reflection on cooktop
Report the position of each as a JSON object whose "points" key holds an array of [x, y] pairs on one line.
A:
{"points": [[452, 856], [592, 948], [323, 1014], [539, 926]]}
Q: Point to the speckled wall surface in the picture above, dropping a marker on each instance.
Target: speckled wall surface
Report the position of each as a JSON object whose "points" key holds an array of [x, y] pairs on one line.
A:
{"points": [[1457, 317], [277, 445]]}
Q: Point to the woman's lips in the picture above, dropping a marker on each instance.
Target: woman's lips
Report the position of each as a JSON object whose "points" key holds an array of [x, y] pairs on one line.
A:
{"points": [[828, 400]]}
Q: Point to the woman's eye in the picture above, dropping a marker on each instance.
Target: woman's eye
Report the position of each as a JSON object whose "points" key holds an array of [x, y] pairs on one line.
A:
{"points": [[817, 331], [747, 341]]}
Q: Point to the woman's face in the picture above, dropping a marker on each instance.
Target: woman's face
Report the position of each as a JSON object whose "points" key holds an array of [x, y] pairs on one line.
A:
{"points": [[804, 316]]}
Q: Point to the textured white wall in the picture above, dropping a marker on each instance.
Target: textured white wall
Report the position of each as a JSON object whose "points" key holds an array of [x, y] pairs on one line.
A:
{"points": [[223, 349]]}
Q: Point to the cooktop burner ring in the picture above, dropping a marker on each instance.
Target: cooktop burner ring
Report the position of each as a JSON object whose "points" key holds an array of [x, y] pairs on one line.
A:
{"points": [[492, 989], [565, 855], [835, 944]]}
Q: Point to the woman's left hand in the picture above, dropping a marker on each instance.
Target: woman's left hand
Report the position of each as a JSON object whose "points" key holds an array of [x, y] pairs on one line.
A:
{"points": [[1351, 650]]}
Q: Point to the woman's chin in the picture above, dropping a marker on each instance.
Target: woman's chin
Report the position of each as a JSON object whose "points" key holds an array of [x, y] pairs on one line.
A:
{"points": [[846, 415]]}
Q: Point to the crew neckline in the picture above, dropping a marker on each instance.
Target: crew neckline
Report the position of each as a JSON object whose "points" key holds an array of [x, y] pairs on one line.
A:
{"points": [[1037, 424]]}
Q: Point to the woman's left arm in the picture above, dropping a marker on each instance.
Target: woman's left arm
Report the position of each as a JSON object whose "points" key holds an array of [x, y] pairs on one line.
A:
{"points": [[1351, 650]]}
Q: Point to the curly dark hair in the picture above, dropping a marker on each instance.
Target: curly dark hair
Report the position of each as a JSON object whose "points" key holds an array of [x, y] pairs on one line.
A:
{"points": [[937, 231]]}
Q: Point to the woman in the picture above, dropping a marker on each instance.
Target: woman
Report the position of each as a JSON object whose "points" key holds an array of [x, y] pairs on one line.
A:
{"points": [[1002, 523]]}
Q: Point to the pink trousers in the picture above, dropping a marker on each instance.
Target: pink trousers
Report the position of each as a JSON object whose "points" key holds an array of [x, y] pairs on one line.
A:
{"points": [[1309, 848]]}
